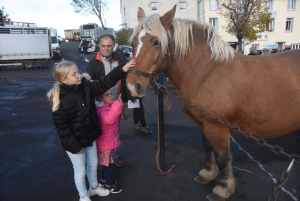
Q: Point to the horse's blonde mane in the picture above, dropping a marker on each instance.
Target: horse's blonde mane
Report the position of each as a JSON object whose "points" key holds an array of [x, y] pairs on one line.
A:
{"points": [[220, 50]]}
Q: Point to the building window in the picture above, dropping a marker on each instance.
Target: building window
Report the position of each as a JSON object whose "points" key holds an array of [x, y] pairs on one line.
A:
{"points": [[154, 6], [289, 24], [269, 4], [214, 22], [295, 46], [291, 4], [213, 4], [182, 6], [270, 26]]}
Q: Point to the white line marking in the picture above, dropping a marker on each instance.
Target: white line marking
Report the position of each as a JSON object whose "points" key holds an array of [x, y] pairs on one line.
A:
{"points": [[261, 167]]}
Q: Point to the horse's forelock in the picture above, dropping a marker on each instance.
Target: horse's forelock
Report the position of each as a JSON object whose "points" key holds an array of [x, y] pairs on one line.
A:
{"points": [[152, 25]]}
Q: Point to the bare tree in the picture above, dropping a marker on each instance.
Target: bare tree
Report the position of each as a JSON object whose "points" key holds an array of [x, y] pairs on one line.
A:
{"points": [[92, 7], [244, 18]]}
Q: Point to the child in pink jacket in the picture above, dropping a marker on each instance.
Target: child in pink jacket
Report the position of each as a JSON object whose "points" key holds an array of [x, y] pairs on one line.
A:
{"points": [[108, 113]]}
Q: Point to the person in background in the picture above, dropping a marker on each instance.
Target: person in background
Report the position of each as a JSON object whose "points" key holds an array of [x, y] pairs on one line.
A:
{"points": [[82, 57], [274, 50], [122, 57], [57, 55], [106, 60], [252, 51], [139, 121], [122, 54], [109, 118], [75, 119]]}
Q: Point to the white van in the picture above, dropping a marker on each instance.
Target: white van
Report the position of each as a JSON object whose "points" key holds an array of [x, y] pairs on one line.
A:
{"points": [[54, 41]]}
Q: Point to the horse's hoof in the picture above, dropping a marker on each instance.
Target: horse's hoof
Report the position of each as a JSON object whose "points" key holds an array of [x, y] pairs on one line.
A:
{"points": [[200, 180], [214, 197]]}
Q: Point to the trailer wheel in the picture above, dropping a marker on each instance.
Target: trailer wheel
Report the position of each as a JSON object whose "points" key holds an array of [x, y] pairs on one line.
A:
{"points": [[28, 64]]}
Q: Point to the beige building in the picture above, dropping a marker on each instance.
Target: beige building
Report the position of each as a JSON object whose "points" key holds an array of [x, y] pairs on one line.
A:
{"points": [[282, 31]]}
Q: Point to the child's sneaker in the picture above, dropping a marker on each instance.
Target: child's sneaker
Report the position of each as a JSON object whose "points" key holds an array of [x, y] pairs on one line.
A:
{"points": [[114, 188], [101, 191]]}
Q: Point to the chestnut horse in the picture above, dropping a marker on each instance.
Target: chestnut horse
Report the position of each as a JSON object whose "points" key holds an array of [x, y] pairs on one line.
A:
{"points": [[260, 94]]}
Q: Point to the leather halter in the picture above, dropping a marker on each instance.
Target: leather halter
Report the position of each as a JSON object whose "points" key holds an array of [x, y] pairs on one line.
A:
{"points": [[151, 76]]}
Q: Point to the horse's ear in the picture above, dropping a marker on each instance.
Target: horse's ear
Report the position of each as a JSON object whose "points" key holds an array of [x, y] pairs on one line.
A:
{"points": [[167, 18], [140, 14]]}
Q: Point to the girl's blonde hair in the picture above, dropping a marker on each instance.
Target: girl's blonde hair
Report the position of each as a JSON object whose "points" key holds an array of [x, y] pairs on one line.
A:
{"points": [[61, 71]]}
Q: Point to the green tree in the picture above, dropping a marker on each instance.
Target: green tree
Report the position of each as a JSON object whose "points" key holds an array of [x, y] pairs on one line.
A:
{"points": [[92, 7], [122, 36], [244, 18], [3, 16]]}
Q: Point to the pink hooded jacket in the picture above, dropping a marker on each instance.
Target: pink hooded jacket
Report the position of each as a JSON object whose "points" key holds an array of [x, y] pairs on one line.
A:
{"points": [[109, 119]]}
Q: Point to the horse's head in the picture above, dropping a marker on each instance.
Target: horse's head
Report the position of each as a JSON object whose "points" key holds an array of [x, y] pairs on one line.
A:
{"points": [[150, 39]]}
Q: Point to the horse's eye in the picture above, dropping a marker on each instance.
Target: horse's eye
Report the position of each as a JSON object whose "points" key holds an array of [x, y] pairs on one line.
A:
{"points": [[157, 43]]}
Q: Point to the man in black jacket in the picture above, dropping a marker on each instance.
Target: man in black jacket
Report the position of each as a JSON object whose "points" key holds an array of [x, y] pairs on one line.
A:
{"points": [[57, 56], [122, 54], [104, 61]]}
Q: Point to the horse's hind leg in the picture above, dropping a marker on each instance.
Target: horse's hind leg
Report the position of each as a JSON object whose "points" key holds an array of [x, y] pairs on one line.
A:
{"points": [[210, 170], [220, 142]]}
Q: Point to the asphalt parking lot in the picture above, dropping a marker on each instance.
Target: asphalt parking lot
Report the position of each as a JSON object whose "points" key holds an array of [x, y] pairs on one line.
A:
{"points": [[34, 165]]}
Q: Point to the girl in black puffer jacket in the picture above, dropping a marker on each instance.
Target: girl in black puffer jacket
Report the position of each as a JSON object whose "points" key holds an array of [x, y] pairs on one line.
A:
{"points": [[75, 118]]}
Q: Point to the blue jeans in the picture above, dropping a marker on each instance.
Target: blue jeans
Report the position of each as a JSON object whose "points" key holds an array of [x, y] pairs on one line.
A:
{"points": [[82, 56], [85, 164]]}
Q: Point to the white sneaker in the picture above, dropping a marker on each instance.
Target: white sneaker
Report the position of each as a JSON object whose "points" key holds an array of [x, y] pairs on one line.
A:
{"points": [[86, 198], [99, 191]]}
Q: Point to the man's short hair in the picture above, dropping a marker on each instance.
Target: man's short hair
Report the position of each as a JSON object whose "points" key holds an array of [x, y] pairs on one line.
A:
{"points": [[107, 36], [120, 44]]}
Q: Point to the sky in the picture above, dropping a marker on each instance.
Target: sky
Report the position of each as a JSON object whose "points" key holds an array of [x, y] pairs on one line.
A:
{"points": [[58, 14]]}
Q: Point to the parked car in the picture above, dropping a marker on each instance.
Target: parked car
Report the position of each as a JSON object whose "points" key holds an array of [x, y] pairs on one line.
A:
{"points": [[89, 42], [61, 39]]}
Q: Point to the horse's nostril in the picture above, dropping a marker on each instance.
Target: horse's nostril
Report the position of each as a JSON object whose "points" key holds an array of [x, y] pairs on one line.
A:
{"points": [[138, 86]]}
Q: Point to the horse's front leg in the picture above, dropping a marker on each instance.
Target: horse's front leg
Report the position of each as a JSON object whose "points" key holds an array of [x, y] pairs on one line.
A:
{"points": [[219, 138], [210, 170]]}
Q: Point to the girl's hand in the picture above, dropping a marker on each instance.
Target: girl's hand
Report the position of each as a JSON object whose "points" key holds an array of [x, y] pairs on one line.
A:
{"points": [[120, 98], [81, 151], [129, 65]]}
